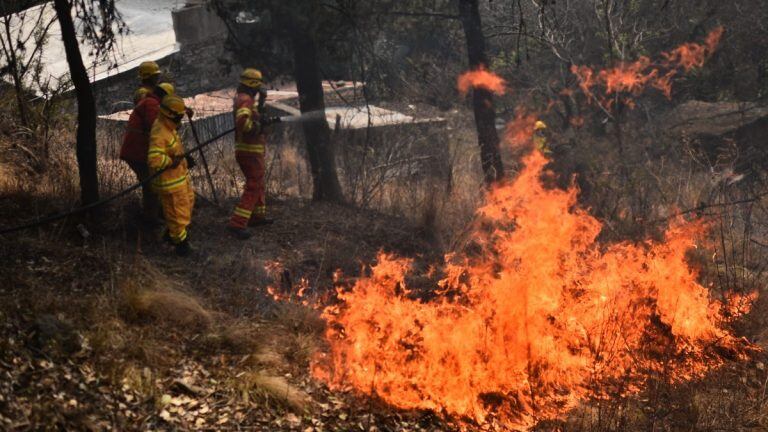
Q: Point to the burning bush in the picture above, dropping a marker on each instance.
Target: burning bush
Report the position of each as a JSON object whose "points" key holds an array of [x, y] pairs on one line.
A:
{"points": [[545, 316]]}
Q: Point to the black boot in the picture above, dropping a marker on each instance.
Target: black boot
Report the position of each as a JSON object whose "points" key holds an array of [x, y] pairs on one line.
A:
{"points": [[184, 249], [255, 222], [239, 233]]}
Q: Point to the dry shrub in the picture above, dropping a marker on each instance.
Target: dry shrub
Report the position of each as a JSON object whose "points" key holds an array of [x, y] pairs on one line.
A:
{"points": [[149, 295], [298, 349], [170, 307], [271, 389], [9, 178], [299, 319], [108, 335], [233, 338], [140, 380], [268, 357]]}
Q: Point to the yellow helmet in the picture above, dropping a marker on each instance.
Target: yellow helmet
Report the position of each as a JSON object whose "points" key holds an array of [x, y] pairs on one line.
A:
{"points": [[173, 106], [148, 69], [251, 78], [539, 125], [167, 88]]}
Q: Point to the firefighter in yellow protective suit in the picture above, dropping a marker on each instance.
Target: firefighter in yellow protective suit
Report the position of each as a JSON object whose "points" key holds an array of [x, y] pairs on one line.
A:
{"points": [[166, 152], [540, 140], [149, 73]]}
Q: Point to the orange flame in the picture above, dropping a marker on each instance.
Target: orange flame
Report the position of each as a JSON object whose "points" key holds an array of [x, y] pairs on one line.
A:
{"points": [[481, 78], [689, 56], [546, 316], [296, 292], [633, 78]]}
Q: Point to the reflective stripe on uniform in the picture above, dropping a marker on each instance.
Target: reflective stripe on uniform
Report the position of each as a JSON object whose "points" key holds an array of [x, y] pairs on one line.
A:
{"points": [[245, 112], [260, 210], [250, 148], [167, 185], [181, 237], [155, 151], [243, 212]]}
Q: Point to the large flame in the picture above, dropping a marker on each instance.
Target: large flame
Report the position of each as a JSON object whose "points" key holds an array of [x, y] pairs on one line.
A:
{"points": [[538, 321], [537, 315]]}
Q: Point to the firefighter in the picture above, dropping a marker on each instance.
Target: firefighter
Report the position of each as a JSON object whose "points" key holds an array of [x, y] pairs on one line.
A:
{"points": [[149, 73], [172, 186], [250, 141], [136, 144], [540, 140]]}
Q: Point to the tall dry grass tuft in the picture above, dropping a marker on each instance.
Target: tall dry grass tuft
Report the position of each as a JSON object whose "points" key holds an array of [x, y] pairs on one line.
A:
{"points": [[269, 389], [148, 296]]}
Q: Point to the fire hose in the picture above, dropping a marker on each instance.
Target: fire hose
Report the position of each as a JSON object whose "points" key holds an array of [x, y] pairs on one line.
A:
{"points": [[101, 202], [308, 116]]}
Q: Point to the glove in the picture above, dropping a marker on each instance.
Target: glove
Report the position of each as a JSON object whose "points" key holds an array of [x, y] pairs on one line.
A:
{"points": [[191, 162]]}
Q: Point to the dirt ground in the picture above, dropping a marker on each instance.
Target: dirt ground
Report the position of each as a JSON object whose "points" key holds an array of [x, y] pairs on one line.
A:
{"points": [[114, 331]]}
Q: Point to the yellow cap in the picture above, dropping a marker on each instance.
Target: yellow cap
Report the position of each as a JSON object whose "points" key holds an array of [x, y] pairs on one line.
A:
{"points": [[148, 69], [539, 125], [167, 88], [251, 78], [173, 106]]}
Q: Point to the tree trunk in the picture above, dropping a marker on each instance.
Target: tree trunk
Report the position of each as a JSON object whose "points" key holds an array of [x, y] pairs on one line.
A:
{"points": [[317, 134], [482, 99], [86, 107]]}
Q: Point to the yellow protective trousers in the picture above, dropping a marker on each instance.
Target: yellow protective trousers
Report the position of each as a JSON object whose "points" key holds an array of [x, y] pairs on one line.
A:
{"points": [[177, 209]]}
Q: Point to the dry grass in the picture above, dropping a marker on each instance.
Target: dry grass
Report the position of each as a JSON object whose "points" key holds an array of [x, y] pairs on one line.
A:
{"points": [[299, 319], [150, 296], [269, 389], [234, 338], [298, 350], [140, 380], [168, 307]]}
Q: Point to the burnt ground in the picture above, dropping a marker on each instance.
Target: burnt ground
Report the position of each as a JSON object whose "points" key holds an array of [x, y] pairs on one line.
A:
{"points": [[114, 331]]}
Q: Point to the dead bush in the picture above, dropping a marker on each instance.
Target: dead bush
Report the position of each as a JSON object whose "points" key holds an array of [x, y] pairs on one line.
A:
{"points": [[270, 388], [170, 307], [298, 350], [231, 338], [299, 319], [149, 296]]}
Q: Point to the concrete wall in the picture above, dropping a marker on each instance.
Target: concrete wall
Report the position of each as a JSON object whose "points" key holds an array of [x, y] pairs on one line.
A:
{"points": [[197, 23]]}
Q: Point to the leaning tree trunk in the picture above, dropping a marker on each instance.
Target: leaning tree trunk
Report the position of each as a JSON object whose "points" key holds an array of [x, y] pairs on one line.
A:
{"points": [[317, 134], [482, 99], [86, 106]]}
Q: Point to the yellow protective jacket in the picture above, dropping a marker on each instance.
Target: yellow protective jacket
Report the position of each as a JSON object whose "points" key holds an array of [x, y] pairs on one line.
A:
{"points": [[164, 145]]}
